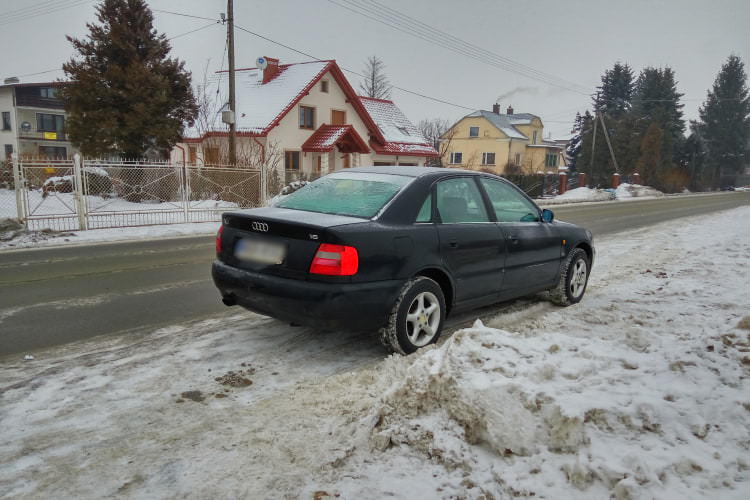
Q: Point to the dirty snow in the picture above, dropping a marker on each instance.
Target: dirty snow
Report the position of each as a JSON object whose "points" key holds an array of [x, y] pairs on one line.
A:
{"points": [[584, 194], [640, 391]]}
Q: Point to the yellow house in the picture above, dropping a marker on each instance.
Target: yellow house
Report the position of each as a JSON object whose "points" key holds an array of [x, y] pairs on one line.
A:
{"points": [[501, 143]]}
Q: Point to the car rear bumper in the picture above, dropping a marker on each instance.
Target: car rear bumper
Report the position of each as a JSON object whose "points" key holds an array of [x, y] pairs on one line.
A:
{"points": [[354, 306]]}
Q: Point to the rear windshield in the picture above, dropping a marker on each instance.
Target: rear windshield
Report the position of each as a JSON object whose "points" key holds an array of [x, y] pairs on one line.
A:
{"points": [[346, 193]]}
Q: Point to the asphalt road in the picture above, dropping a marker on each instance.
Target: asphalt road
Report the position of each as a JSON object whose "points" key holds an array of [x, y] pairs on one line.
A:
{"points": [[53, 296]]}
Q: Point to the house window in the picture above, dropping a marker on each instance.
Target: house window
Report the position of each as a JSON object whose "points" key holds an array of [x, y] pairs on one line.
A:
{"points": [[8, 151], [518, 160], [53, 152], [338, 117], [402, 164], [533, 141], [488, 158], [50, 123], [550, 160], [306, 117], [473, 131], [383, 164], [6, 120], [291, 160], [48, 92], [192, 155], [456, 158], [211, 156], [324, 86]]}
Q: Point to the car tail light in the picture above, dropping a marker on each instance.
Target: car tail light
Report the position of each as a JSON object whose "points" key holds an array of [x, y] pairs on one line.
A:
{"points": [[218, 240], [335, 260]]}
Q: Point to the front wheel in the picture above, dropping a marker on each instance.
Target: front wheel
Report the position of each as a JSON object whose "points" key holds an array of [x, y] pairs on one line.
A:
{"points": [[573, 279], [417, 317]]}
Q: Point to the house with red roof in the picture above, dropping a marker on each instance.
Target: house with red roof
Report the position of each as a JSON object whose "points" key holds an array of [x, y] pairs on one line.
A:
{"points": [[309, 113]]}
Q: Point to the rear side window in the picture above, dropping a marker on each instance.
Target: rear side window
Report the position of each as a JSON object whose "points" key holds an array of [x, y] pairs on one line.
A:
{"points": [[459, 201], [509, 204], [353, 194], [425, 213]]}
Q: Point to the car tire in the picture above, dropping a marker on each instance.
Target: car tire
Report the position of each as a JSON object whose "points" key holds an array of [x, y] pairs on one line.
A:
{"points": [[573, 279], [417, 317]]}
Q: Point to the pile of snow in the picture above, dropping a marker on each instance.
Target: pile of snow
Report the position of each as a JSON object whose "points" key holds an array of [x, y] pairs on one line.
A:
{"points": [[626, 190], [586, 194]]}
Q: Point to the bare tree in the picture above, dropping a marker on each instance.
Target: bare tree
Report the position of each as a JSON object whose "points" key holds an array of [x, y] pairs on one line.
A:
{"points": [[436, 131], [375, 83]]}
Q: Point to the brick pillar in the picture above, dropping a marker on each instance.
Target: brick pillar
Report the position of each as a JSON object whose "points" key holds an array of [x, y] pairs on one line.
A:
{"points": [[636, 178], [581, 179], [615, 180], [563, 183]]}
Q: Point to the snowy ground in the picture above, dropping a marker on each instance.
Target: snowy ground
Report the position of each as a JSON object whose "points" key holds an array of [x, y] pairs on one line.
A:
{"points": [[640, 391]]}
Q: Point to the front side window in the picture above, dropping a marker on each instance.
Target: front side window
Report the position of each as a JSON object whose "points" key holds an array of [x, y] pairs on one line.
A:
{"points": [[6, 120], [459, 201], [46, 122], [508, 203], [488, 158], [306, 117], [291, 160], [345, 193], [473, 131], [456, 158]]}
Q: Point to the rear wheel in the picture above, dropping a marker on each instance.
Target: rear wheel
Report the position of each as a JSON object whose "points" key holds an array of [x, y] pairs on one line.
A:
{"points": [[417, 317], [573, 279]]}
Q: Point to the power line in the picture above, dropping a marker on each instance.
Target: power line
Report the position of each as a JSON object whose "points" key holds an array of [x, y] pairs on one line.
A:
{"points": [[184, 15], [195, 30], [44, 8], [430, 34], [442, 101]]}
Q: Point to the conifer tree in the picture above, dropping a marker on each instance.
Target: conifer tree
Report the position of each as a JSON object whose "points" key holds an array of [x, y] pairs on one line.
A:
{"points": [[616, 91], [125, 95], [650, 164], [725, 123], [573, 149]]}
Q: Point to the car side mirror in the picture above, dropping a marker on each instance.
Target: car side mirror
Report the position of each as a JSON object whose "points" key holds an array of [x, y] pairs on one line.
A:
{"points": [[548, 215]]}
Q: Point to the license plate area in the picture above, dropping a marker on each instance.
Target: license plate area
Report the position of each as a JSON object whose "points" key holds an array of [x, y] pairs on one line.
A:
{"points": [[260, 251]]}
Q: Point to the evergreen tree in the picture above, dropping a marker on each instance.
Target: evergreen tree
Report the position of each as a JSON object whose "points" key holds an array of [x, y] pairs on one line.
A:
{"points": [[616, 91], [126, 96], [573, 149], [375, 83], [650, 164], [656, 100], [725, 123]]}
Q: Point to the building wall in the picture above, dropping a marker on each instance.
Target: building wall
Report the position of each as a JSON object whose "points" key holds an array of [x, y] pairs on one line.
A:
{"points": [[490, 140], [31, 141], [528, 130], [7, 136]]}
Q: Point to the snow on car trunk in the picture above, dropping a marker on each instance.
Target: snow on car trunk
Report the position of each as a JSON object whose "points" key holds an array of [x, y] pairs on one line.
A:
{"points": [[639, 391]]}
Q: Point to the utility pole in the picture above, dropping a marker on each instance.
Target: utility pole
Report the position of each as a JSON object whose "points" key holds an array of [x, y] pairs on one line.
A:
{"points": [[593, 150], [609, 144], [232, 102]]}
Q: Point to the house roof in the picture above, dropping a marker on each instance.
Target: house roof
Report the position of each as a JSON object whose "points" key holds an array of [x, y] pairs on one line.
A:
{"points": [[401, 136], [505, 123], [328, 136]]}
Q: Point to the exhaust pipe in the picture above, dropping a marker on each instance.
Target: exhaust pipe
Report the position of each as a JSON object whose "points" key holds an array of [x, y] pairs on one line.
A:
{"points": [[229, 300]]}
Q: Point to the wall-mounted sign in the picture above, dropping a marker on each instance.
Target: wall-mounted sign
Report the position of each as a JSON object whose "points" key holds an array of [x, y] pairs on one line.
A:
{"points": [[50, 136]]}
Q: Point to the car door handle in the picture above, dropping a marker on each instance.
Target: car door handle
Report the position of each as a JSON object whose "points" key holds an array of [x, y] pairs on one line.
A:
{"points": [[513, 238], [453, 244]]}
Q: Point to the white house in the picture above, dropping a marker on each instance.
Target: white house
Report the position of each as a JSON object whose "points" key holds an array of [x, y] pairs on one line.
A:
{"points": [[310, 113]]}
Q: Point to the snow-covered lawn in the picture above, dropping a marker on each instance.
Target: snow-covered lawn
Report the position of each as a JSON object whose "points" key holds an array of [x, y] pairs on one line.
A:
{"points": [[640, 391]]}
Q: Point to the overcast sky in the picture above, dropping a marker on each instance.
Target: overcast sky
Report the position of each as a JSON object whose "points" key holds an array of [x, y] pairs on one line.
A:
{"points": [[573, 41]]}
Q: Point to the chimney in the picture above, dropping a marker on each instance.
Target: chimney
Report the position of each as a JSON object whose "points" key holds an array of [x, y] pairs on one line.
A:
{"points": [[271, 70], [510, 110], [11, 80], [496, 108]]}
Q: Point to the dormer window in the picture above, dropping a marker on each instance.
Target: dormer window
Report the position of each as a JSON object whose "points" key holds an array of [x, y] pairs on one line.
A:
{"points": [[533, 141], [324, 86], [473, 131]]}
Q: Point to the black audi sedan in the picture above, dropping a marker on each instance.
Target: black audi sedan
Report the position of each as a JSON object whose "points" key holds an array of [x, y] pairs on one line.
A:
{"points": [[397, 249]]}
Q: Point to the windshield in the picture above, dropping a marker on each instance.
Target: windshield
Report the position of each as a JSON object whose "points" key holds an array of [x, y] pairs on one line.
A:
{"points": [[346, 193]]}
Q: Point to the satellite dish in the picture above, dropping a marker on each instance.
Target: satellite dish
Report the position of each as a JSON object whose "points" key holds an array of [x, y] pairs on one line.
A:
{"points": [[262, 63], [25, 126]]}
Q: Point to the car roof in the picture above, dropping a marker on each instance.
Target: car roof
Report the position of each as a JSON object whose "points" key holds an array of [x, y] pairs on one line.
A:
{"points": [[411, 171]]}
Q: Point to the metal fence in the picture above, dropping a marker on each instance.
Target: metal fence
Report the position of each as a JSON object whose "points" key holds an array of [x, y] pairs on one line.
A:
{"points": [[86, 194]]}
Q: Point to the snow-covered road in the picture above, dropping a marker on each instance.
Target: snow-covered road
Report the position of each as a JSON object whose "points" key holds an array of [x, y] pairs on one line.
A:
{"points": [[640, 391]]}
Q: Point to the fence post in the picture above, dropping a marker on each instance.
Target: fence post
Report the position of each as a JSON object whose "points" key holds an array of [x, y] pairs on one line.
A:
{"points": [[19, 187], [563, 183], [185, 191], [79, 192], [264, 185]]}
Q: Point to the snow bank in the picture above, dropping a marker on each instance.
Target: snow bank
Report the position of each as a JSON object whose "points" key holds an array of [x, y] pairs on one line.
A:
{"points": [[586, 194], [626, 190]]}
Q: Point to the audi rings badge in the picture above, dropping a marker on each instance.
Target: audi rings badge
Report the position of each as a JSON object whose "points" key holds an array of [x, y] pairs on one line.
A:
{"points": [[260, 226]]}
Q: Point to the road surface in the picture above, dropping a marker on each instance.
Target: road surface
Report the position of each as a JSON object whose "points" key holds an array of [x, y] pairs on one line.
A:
{"points": [[53, 296]]}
